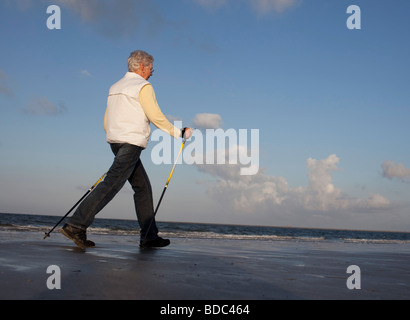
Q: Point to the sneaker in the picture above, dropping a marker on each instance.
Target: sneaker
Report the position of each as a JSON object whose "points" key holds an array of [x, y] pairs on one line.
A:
{"points": [[156, 243], [78, 236]]}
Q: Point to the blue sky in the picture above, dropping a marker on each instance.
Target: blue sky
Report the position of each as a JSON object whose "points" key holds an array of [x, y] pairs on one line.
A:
{"points": [[331, 106]]}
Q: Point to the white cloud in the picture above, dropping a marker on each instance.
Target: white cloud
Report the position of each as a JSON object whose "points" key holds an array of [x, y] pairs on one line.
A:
{"points": [[321, 194], [377, 201], [261, 192], [261, 7], [267, 6], [248, 194], [86, 73], [395, 170], [173, 119], [265, 193], [36, 105], [111, 18], [42, 106], [211, 4], [21, 4], [5, 85], [207, 121]]}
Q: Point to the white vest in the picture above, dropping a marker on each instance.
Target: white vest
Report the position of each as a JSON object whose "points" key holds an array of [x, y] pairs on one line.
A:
{"points": [[126, 121]]}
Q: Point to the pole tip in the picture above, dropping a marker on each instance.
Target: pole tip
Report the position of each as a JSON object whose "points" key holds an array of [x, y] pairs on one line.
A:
{"points": [[46, 236]]}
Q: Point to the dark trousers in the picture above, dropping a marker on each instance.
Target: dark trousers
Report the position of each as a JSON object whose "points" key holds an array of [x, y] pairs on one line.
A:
{"points": [[127, 165]]}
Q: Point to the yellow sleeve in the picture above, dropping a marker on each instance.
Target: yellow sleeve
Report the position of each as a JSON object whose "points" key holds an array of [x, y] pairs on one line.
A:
{"points": [[153, 112]]}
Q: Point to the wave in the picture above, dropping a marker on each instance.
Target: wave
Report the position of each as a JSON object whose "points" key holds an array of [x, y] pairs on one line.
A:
{"points": [[205, 234]]}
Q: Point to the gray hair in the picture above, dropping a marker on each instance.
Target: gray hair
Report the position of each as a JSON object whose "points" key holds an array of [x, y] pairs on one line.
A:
{"points": [[137, 57]]}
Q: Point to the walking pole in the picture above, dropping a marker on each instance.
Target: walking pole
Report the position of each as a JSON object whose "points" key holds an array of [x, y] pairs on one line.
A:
{"points": [[89, 190], [165, 188]]}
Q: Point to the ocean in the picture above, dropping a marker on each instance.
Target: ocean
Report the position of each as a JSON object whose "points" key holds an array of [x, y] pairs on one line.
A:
{"points": [[42, 224]]}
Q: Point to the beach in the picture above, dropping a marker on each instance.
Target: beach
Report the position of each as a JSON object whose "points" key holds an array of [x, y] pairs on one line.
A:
{"points": [[200, 269]]}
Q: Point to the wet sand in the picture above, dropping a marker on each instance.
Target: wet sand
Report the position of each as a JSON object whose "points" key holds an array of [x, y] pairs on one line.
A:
{"points": [[200, 269]]}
